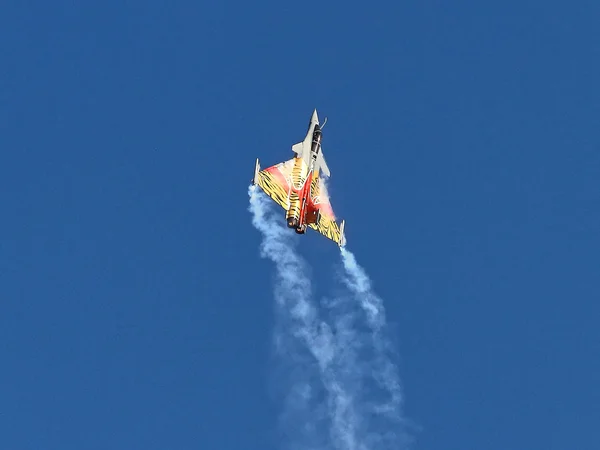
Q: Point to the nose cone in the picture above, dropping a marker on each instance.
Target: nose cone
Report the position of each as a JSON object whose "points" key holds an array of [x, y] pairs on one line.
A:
{"points": [[315, 117]]}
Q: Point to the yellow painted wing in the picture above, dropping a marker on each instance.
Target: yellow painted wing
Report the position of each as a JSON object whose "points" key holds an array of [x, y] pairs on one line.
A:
{"points": [[275, 181], [328, 228], [320, 216]]}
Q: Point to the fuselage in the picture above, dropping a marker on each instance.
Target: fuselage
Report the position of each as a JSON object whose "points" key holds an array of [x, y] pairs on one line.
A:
{"points": [[303, 173]]}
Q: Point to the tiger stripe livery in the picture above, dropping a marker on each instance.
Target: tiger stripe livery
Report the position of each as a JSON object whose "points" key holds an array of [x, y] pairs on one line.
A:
{"points": [[284, 183]]}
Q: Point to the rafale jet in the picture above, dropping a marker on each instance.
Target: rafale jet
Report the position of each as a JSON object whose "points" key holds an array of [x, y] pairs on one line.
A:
{"points": [[296, 186]]}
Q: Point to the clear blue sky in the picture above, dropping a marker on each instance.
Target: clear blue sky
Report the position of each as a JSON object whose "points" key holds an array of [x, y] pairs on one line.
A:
{"points": [[135, 311]]}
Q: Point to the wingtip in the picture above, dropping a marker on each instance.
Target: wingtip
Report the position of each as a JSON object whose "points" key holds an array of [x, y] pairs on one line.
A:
{"points": [[256, 170], [342, 234]]}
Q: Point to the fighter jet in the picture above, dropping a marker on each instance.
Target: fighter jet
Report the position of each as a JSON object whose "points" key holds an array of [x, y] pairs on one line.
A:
{"points": [[296, 186]]}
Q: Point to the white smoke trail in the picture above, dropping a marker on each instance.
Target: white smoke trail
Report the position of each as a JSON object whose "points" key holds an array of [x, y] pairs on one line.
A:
{"points": [[306, 342], [344, 391], [381, 393]]}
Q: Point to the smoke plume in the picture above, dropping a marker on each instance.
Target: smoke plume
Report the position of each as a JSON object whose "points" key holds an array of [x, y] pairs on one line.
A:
{"points": [[342, 391], [381, 394]]}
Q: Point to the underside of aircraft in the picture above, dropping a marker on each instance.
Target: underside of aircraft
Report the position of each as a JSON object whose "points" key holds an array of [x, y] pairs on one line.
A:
{"points": [[297, 186]]}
